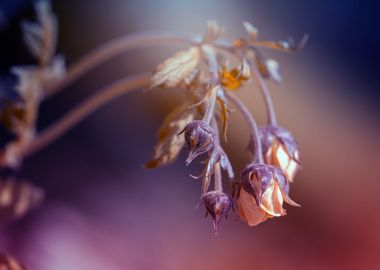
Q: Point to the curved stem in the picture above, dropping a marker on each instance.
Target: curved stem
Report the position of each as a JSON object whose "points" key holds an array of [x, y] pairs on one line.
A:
{"points": [[256, 143], [123, 44], [267, 96], [210, 55], [85, 109]]}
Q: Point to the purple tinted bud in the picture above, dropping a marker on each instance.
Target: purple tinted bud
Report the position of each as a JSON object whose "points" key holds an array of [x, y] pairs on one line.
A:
{"points": [[217, 204], [280, 149], [199, 137], [257, 178]]}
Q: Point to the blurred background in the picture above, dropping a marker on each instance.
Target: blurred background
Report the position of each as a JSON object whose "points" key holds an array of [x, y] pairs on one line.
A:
{"points": [[104, 211]]}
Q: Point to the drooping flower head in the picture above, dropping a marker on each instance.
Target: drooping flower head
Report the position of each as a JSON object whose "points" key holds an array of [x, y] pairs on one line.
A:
{"points": [[199, 137], [263, 190], [217, 204], [280, 149]]}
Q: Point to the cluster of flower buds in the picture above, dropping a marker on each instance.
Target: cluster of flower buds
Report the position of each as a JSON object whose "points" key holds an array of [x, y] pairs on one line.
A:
{"points": [[264, 184], [263, 190], [205, 72], [201, 138]]}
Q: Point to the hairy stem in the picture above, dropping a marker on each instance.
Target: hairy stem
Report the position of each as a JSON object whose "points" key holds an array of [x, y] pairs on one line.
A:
{"points": [[256, 143], [210, 55], [266, 94], [85, 109]]}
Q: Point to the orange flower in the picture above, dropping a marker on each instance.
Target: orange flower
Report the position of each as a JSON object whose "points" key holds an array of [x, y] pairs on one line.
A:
{"points": [[280, 149], [233, 79], [263, 190]]}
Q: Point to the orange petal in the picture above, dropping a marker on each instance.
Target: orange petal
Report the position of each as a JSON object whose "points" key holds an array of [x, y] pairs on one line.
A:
{"points": [[272, 200], [248, 209]]}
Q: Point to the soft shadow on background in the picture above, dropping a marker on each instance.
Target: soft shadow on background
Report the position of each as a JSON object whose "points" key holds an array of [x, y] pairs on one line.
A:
{"points": [[103, 211]]}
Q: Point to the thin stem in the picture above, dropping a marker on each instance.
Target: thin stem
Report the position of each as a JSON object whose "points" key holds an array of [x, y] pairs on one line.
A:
{"points": [[218, 185], [117, 46], [210, 55], [267, 96], [85, 109], [210, 105], [123, 44], [256, 143]]}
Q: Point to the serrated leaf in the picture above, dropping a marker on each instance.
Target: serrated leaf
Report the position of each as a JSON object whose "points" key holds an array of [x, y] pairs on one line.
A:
{"points": [[175, 69], [169, 143], [41, 37]]}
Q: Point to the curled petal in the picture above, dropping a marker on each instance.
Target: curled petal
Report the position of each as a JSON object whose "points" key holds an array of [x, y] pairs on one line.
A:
{"points": [[272, 200], [248, 210]]}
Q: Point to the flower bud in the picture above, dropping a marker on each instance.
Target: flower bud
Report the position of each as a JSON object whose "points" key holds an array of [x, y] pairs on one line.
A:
{"points": [[199, 137], [217, 204], [263, 190], [280, 149]]}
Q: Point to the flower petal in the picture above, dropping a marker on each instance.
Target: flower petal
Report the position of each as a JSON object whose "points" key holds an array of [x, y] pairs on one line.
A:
{"points": [[248, 209], [272, 200]]}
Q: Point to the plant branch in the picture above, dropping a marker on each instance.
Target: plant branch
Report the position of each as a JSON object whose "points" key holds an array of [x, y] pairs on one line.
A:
{"points": [[210, 55], [218, 185], [256, 143], [84, 109], [120, 45], [266, 94]]}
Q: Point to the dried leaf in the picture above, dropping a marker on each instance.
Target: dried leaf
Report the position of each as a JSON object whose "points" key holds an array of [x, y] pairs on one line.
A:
{"points": [[175, 69], [251, 30], [32, 80], [13, 115], [41, 37], [269, 69], [224, 116], [232, 79], [18, 198], [8, 262], [283, 45], [169, 143], [192, 81]]}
